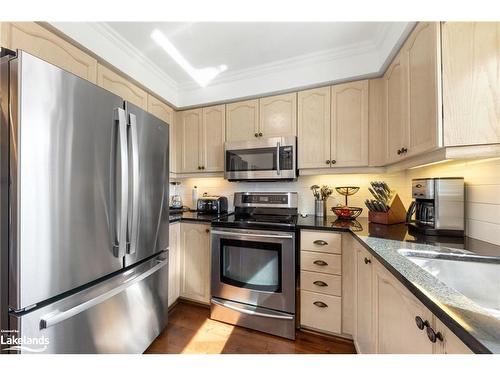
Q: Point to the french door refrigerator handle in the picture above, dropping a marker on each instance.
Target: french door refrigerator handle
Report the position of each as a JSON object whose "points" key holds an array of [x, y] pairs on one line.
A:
{"points": [[121, 186], [250, 312], [278, 169], [56, 317], [134, 176]]}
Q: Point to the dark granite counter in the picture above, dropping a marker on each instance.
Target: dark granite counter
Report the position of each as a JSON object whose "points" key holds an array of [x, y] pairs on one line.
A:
{"points": [[476, 326], [194, 216]]}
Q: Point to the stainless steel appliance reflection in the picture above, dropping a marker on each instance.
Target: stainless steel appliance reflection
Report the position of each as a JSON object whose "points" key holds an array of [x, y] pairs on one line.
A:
{"points": [[253, 263], [84, 212]]}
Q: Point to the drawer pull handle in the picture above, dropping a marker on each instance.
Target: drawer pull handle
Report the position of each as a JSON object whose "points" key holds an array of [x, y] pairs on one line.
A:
{"points": [[320, 263], [320, 304], [320, 283], [320, 243]]}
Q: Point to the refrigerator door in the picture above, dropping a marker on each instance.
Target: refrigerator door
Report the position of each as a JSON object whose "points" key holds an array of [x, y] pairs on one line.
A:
{"points": [[123, 314], [64, 164], [148, 176]]}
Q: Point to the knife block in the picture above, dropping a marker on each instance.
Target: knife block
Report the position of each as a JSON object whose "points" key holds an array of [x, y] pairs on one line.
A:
{"points": [[395, 215]]}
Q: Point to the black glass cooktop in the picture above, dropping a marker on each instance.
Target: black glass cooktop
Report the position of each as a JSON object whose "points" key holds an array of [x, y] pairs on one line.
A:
{"points": [[261, 221]]}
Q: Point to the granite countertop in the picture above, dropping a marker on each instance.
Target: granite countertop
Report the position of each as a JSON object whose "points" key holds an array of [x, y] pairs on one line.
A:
{"points": [[478, 328], [194, 216]]}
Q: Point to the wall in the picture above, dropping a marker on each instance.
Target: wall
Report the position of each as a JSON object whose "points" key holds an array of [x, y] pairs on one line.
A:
{"points": [[482, 180]]}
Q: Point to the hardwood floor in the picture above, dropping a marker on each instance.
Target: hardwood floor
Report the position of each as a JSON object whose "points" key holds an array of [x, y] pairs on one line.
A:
{"points": [[190, 330]]}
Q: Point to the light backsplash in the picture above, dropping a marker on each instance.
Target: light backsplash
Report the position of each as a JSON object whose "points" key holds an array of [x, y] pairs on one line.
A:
{"points": [[482, 179]]}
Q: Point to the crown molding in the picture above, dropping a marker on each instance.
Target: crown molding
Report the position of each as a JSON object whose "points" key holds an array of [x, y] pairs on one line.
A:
{"points": [[356, 61]]}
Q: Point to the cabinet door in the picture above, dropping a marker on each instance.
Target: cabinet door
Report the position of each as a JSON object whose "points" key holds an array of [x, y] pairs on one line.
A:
{"points": [[395, 312], [242, 120], [348, 283], [174, 277], [195, 262], [119, 85], [424, 86], [167, 114], [349, 132], [397, 108], [451, 344], [40, 42], [314, 128], [278, 115], [214, 128], [364, 334], [190, 129], [377, 122], [471, 82]]}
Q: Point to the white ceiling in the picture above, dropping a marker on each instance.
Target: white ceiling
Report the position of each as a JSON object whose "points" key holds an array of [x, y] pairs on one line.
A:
{"points": [[261, 57]]}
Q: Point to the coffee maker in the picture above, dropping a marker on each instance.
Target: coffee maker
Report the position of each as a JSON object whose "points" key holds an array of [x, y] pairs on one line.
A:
{"points": [[438, 206]]}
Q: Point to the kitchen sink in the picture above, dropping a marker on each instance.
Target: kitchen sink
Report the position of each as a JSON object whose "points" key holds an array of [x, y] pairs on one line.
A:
{"points": [[476, 277]]}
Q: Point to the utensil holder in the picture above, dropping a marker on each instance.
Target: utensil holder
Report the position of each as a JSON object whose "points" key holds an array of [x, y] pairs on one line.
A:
{"points": [[395, 215], [320, 208]]}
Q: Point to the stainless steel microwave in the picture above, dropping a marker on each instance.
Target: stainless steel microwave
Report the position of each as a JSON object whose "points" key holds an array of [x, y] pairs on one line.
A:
{"points": [[267, 159]]}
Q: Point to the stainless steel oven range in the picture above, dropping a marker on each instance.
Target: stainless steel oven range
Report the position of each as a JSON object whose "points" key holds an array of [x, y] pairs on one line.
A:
{"points": [[253, 263]]}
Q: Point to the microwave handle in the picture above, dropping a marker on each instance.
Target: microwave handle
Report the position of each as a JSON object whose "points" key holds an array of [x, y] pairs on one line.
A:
{"points": [[278, 170]]}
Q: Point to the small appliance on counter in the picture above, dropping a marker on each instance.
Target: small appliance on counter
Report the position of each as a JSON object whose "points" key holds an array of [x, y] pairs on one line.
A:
{"points": [[438, 206], [387, 207], [212, 204]]}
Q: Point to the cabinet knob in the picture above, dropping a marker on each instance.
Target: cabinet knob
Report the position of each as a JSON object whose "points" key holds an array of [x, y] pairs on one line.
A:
{"points": [[328, 162], [207, 230], [405, 150], [256, 134], [260, 134], [334, 161], [367, 260], [199, 167], [433, 336], [202, 167], [320, 242], [399, 151], [320, 283], [421, 324], [320, 304], [320, 263]]}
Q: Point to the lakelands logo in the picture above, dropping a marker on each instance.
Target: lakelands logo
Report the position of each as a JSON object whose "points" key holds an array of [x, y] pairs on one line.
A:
{"points": [[14, 342]]}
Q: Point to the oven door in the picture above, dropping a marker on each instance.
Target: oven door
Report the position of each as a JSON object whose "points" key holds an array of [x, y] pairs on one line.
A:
{"points": [[254, 267], [265, 159]]}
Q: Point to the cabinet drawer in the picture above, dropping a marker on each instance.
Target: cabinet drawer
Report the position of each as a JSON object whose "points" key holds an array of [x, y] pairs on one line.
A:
{"points": [[320, 311], [320, 262], [324, 242], [321, 283]]}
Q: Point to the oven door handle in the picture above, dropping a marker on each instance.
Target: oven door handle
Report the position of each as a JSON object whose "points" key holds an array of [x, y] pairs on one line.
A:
{"points": [[250, 312], [242, 235], [278, 169]]}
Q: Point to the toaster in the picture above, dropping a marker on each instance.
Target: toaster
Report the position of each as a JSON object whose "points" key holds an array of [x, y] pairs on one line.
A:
{"points": [[212, 204]]}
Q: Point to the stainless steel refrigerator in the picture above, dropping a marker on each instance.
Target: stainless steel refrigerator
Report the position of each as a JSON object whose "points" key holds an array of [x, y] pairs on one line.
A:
{"points": [[84, 215]]}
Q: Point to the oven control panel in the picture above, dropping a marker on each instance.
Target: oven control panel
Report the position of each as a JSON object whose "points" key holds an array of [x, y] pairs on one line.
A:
{"points": [[280, 200], [268, 199]]}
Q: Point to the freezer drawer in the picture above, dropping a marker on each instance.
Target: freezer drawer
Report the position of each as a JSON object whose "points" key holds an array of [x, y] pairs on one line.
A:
{"points": [[121, 315]]}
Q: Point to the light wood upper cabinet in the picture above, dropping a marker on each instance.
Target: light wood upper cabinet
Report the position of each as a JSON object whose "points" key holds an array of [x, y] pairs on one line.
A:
{"points": [[213, 133], [190, 130], [349, 126], [397, 107], [314, 128], [377, 120], [195, 262], [242, 120], [119, 85], [174, 263], [363, 328], [471, 82], [395, 312], [40, 42], [278, 115], [424, 88], [161, 110]]}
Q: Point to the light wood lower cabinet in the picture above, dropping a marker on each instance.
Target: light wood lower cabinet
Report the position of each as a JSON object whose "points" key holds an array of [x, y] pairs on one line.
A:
{"points": [[363, 327], [320, 311], [195, 262], [119, 85], [450, 344], [42, 43], [174, 264]]}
